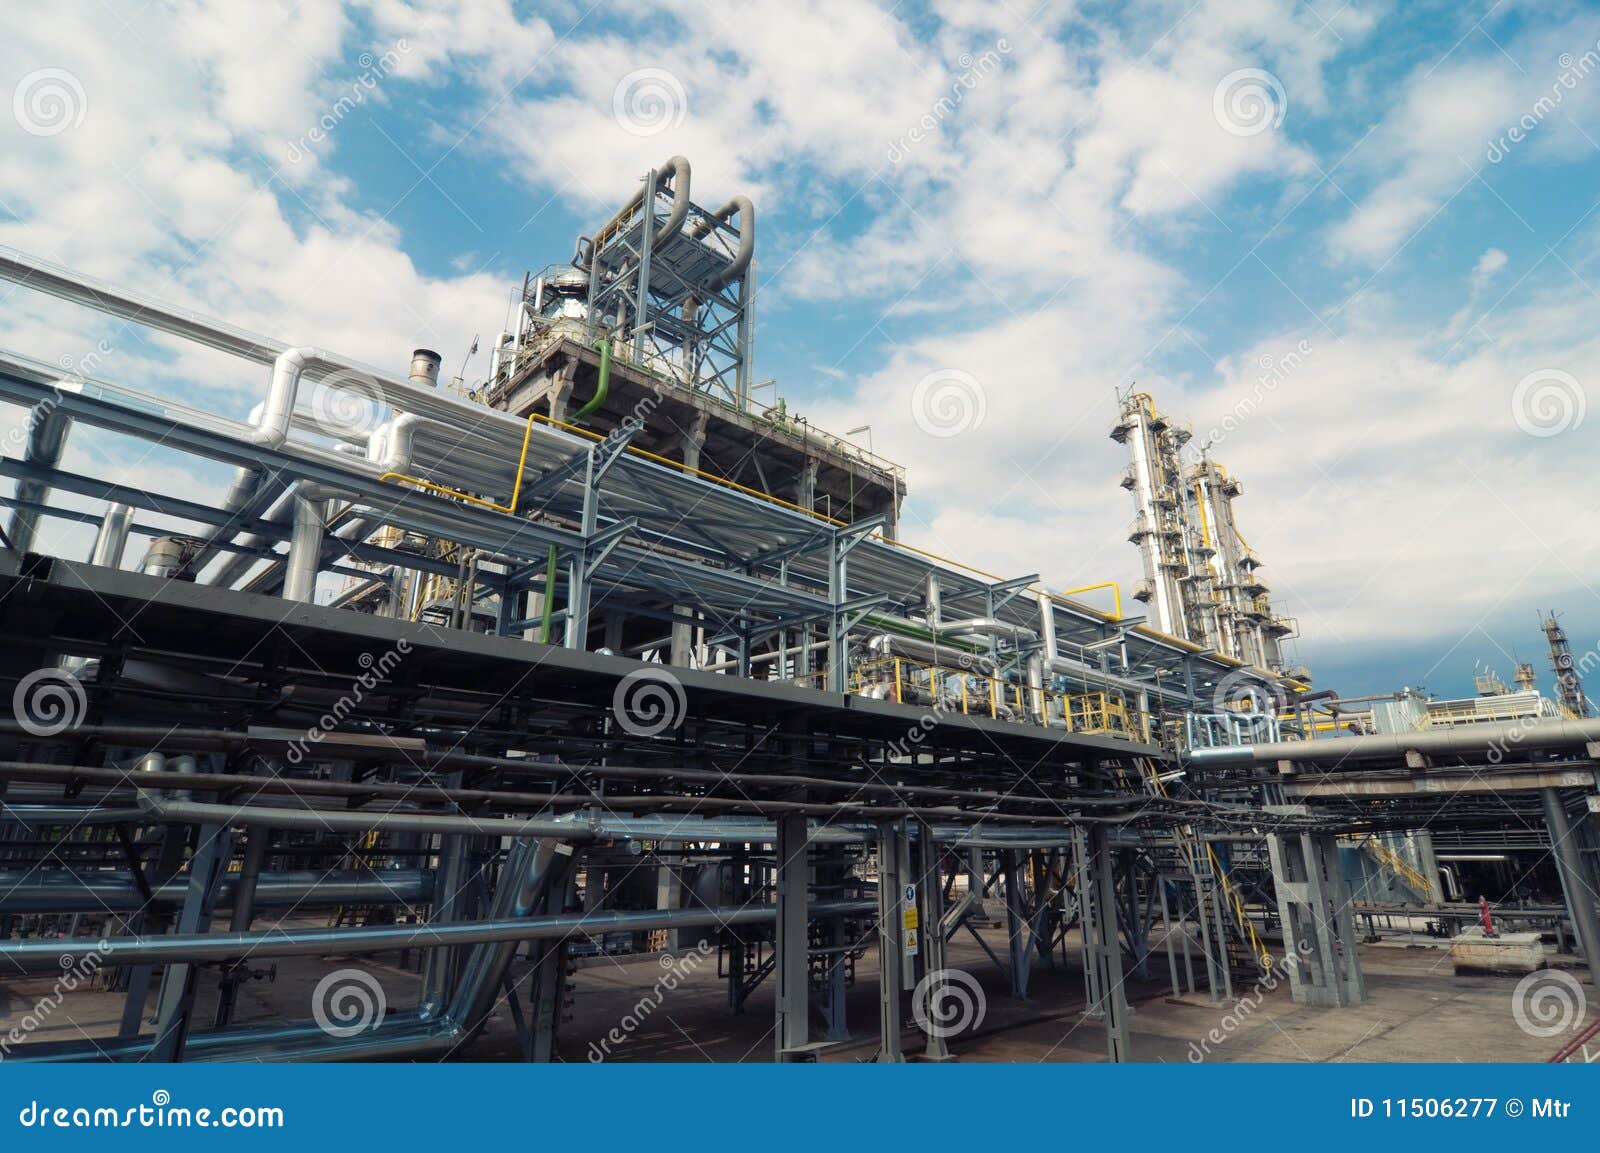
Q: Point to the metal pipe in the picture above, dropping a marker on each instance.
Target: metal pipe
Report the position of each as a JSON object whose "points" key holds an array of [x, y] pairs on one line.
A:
{"points": [[311, 512], [320, 820], [111, 541], [34, 892], [1549, 734], [35, 955], [47, 440]]}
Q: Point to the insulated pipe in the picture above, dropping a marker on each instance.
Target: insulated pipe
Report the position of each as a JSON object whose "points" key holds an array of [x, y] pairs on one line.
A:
{"points": [[1460, 739], [669, 227], [51, 955], [311, 512], [747, 237], [112, 539], [523, 883], [21, 892], [319, 820], [47, 439]]}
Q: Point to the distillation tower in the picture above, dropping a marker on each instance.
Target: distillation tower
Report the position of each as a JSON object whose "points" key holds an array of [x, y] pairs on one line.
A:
{"points": [[1201, 576]]}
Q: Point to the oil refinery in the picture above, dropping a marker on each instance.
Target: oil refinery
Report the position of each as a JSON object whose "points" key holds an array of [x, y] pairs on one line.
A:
{"points": [[509, 718]]}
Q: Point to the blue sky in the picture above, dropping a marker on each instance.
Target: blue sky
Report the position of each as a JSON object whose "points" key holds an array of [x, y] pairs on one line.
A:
{"points": [[1091, 212]]}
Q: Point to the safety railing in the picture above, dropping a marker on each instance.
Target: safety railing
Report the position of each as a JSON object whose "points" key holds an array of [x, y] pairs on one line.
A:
{"points": [[973, 693]]}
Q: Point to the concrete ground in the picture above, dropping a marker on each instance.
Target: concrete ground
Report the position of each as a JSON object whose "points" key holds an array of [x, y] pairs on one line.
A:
{"points": [[636, 1009]]}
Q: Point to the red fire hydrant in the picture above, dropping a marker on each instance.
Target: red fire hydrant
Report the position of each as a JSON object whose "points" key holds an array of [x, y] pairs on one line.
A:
{"points": [[1483, 915]]}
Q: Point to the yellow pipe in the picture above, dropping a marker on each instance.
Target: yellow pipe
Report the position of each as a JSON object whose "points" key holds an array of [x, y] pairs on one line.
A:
{"points": [[1200, 503]]}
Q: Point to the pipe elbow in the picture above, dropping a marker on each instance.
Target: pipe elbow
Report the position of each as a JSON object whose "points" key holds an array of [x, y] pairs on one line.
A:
{"points": [[272, 427]]}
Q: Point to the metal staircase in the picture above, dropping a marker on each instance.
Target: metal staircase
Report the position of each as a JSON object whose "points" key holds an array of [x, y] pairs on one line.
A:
{"points": [[1194, 861]]}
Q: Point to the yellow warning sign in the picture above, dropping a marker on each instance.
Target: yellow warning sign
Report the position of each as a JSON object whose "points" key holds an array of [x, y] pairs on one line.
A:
{"points": [[909, 920]]}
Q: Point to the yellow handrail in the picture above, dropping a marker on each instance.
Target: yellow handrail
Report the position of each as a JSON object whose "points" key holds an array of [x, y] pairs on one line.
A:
{"points": [[1116, 595]]}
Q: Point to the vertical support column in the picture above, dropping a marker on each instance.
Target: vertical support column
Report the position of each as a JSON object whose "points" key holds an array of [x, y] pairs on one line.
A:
{"points": [[175, 1003], [792, 1032], [1319, 934], [930, 892], [1100, 941], [1016, 925], [892, 846], [1574, 880], [1428, 865]]}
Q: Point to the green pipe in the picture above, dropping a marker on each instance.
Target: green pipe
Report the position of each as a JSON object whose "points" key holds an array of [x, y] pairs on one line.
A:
{"points": [[549, 595], [920, 633], [601, 386]]}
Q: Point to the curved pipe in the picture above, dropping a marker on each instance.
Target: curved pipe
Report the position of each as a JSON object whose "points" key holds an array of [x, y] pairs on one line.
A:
{"points": [[669, 227], [746, 211], [602, 384]]}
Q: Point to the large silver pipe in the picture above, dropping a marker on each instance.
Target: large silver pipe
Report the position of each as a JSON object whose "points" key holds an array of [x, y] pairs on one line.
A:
{"points": [[111, 541], [1501, 736], [47, 440], [23, 892], [33, 955], [523, 882], [312, 507], [331, 820]]}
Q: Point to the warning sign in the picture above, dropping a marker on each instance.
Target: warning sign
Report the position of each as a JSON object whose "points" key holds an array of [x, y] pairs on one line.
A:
{"points": [[911, 942], [910, 919]]}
